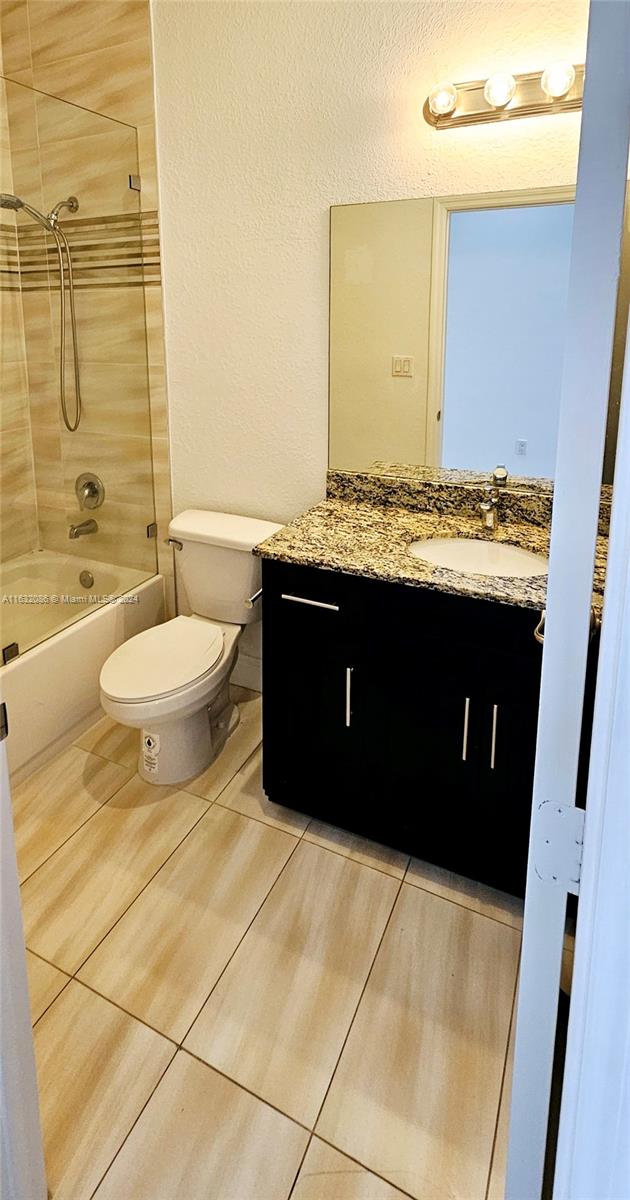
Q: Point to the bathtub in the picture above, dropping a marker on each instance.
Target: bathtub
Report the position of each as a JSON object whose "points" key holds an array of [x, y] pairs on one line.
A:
{"points": [[51, 690]]}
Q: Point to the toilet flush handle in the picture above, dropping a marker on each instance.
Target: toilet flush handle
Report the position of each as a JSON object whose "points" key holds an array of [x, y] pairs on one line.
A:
{"points": [[175, 543], [253, 599]]}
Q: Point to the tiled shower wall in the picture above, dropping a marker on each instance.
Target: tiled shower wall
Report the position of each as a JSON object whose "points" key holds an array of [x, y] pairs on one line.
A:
{"points": [[97, 54]]}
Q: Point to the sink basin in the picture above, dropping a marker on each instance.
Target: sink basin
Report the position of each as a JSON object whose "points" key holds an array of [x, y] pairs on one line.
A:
{"points": [[473, 556]]}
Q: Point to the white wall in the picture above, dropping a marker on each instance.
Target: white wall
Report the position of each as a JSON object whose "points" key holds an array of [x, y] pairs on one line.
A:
{"points": [[508, 281], [268, 113]]}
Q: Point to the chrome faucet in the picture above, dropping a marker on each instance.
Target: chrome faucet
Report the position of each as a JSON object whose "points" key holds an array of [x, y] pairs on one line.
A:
{"points": [[489, 509], [77, 531]]}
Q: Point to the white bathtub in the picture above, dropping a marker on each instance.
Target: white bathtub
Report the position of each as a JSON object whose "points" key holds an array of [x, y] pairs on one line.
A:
{"points": [[51, 691]]}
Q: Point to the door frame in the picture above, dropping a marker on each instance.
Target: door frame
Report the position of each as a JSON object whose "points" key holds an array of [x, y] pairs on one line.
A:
{"points": [[443, 206], [593, 284]]}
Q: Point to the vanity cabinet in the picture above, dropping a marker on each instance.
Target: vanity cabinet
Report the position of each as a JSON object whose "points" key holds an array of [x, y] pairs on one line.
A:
{"points": [[403, 714]]}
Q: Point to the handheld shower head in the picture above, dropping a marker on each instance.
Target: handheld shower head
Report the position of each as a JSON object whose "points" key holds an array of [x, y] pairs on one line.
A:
{"points": [[15, 204]]}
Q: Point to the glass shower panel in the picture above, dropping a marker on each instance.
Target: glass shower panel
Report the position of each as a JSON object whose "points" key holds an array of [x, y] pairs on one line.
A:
{"points": [[85, 494]]}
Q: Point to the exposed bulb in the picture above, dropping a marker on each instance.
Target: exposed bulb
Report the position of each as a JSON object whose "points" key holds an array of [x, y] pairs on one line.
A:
{"points": [[499, 89], [442, 99], [558, 79]]}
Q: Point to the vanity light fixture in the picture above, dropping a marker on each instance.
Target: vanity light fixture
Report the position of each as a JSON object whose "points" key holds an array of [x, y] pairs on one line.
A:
{"points": [[557, 89]]}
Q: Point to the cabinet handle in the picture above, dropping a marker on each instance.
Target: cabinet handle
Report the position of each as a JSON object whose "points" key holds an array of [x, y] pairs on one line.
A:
{"points": [[312, 603], [348, 696], [465, 737], [493, 743]]}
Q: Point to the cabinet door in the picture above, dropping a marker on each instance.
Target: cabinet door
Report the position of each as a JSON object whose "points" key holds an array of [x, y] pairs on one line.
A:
{"points": [[307, 735]]}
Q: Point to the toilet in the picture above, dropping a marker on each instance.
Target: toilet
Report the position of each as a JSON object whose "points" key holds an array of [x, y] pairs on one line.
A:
{"points": [[172, 681]]}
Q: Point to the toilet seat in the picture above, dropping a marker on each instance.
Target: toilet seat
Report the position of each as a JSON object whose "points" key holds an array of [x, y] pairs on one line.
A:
{"points": [[162, 661]]}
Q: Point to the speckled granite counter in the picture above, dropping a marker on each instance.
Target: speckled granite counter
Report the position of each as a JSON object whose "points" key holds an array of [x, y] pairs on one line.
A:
{"points": [[370, 539]]}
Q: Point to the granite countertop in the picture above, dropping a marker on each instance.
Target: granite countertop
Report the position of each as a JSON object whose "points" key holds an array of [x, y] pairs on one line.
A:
{"points": [[368, 539]]}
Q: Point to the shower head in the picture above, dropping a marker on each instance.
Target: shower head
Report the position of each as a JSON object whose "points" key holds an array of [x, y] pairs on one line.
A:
{"points": [[9, 201], [14, 203]]}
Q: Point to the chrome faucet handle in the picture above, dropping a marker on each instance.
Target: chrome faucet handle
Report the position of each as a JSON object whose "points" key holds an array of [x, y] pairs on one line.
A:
{"points": [[500, 476]]}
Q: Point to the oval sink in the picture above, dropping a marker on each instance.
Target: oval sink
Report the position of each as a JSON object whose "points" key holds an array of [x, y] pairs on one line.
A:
{"points": [[474, 556]]}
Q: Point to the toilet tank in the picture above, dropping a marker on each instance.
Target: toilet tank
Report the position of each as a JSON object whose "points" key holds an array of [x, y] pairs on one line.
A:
{"points": [[216, 564]]}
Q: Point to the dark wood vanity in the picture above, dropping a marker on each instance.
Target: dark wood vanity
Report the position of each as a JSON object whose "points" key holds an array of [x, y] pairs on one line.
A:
{"points": [[403, 713]]}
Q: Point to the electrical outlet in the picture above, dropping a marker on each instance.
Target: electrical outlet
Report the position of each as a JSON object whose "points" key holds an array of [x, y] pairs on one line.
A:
{"points": [[402, 366], [521, 446]]}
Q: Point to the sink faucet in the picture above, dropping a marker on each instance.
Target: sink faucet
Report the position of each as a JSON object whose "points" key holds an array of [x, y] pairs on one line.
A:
{"points": [[77, 531], [489, 509]]}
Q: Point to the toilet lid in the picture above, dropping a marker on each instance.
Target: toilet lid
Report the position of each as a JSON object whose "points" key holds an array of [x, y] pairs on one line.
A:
{"points": [[162, 660]]}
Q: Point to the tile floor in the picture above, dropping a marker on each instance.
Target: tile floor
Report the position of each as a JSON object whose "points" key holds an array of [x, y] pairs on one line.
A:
{"points": [[232, 1001]]}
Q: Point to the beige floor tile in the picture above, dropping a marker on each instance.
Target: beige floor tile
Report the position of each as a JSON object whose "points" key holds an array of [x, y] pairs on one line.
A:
{"points": [[96, 1068], [359, 849], [496, 1186], [44, 983], [245, 794], [57, 799], [201, 1136], [164, 956], [326, 1174], [477, 896], [113, 741], [72, 901], [277, 1019], [239, 746], [416, 1093]]}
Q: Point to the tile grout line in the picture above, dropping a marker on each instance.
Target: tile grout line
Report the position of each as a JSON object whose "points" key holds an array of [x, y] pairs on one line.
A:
{"points": [[142, 889], [300, 1165], [135, 1122], [239, 943], [81, 826], [503, 1080], [358, 1004], [243, 1087], [460, 904], [364, 1167]]}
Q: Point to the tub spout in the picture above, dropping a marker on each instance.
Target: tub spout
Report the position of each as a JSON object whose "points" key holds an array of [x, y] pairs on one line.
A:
{"points": [[77, 531]]}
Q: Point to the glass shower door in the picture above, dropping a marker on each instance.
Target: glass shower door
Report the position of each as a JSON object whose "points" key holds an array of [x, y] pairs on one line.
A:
{"points": [[76, 502]]}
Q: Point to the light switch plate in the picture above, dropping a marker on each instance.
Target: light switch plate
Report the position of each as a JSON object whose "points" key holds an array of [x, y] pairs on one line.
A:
{"points": [[402, 366]]}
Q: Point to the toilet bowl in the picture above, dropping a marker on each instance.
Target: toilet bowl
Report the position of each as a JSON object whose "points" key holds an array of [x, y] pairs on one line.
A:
{"points": [[172, 681]]}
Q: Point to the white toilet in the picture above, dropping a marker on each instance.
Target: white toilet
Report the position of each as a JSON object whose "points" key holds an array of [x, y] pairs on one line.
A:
{"points": [[172, 681]]}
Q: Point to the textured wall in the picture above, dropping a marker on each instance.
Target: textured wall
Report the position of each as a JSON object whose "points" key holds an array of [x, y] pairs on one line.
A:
{"points": [[268, 113]]}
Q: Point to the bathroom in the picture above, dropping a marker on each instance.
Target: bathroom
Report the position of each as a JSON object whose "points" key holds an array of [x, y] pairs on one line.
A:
{"points": [[272, 909]]}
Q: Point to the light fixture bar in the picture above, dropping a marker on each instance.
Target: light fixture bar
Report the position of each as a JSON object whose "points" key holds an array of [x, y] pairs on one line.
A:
{"points": [[529, 100]]}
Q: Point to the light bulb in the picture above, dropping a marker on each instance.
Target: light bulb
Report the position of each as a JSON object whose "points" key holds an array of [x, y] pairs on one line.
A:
{"points": [[558, 79], [442, 99], [499, 89]]}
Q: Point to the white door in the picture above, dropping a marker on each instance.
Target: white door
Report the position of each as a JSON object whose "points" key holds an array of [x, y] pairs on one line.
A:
{"points": [[21, 1156], [556, 833]]}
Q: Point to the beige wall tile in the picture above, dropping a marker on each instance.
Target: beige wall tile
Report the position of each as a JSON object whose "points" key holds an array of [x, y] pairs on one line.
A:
{"points": [[122, 462], [115, 400], [157, 393], [148, 167], [326, 1174], [165, 955], [115, 81], [277, 1019], [94, 169], [11, 333], [416, 1093], [14, 410], [155, 325], [82, 26], [103, 868], [43, 393], [41, 344], [50, 805], [96, 1069], [121, 538], [14, 36], [253, 1151], [110, 324], [49, 479], [18, 510], [21, 115], [58, 121], [44, 984]]}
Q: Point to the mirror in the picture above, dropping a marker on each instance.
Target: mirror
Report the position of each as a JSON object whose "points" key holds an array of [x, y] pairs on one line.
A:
{"points": [[447, 320]]}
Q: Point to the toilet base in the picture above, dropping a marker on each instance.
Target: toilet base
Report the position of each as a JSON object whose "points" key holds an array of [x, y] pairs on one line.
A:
{"points": [[178, 750]]}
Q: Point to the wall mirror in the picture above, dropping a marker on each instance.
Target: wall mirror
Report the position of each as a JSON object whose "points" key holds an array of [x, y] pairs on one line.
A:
{"points": [[447, 323]]}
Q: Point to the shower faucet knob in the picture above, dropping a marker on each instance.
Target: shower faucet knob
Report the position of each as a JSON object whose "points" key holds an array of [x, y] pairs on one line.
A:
{"points": [[89, 490]]}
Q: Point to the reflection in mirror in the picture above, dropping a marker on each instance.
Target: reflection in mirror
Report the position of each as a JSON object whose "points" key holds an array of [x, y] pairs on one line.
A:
{"points": [[447, 324]]}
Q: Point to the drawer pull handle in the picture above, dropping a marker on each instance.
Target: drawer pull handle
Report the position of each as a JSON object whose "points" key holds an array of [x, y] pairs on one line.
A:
{"points": [[493, 744], [312, 603], [348, 696], [465, 737]]}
